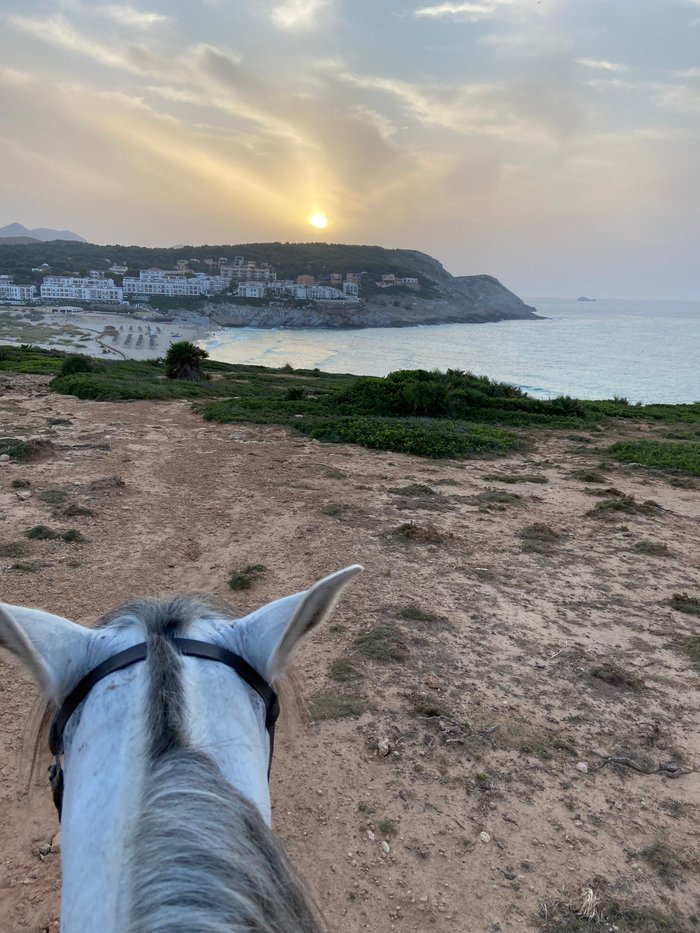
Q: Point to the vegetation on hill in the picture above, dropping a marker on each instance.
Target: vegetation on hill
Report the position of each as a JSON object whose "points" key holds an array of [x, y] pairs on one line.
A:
{"points": [[289, 259], [453, 414]]}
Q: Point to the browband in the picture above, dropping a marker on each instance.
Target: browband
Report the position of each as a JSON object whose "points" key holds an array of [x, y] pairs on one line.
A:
{"points": [[187, 646]]}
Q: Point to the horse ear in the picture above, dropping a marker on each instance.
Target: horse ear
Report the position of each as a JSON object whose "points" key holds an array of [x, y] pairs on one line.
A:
{"points": [[270, 634], [53, 649]]}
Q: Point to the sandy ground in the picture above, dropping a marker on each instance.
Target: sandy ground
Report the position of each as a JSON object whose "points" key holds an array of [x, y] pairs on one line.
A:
{"points": [[86, 332], [476, 722]]}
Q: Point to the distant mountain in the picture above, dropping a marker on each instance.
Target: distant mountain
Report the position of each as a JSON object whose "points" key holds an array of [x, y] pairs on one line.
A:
{"points": [[40, 233]]}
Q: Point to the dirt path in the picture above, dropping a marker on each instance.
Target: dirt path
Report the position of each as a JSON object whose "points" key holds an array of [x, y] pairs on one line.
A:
{"points": [[483, 666]]}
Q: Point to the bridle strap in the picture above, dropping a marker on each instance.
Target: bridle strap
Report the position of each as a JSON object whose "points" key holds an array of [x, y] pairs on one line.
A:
{"points": [[187, 646]]}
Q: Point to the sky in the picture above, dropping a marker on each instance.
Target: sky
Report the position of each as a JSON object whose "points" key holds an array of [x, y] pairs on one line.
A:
{"points": [[554, 144]]}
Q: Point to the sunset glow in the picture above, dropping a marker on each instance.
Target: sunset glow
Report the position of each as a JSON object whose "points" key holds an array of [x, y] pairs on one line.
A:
{"points": [[318, 219]]}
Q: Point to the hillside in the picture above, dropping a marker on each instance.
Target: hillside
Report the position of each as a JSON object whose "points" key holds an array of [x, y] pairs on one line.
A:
{"points": [[442, 297]]}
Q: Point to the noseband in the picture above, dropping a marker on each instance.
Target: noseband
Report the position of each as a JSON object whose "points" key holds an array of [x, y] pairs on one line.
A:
{"points": [[187, 646]]}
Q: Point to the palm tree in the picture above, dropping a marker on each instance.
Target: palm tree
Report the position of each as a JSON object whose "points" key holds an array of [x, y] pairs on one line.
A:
{"points": [[184, 361]]}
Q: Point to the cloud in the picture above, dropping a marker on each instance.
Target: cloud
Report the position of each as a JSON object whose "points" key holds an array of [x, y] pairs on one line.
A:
{"points": [[470, 12], [59, 31], [298, 15], [688, 73], [600, 64], [129, 16]]}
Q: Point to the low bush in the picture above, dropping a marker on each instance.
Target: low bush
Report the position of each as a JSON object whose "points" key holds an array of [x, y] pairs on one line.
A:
{"points": [[663, 455], [76, 364]]}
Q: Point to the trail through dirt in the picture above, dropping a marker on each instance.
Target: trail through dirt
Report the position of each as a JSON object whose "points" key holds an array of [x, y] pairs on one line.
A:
{"points": [[495, 645]]}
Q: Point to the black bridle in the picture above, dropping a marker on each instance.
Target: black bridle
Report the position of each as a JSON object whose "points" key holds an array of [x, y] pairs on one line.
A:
{"points": [[186, 646]]}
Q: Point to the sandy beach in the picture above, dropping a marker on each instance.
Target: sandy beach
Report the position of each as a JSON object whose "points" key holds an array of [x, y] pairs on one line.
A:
{"points": [[136, 335]]}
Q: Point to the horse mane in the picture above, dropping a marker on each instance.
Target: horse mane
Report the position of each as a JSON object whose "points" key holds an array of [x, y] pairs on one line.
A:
{"points": [[201, 857]]}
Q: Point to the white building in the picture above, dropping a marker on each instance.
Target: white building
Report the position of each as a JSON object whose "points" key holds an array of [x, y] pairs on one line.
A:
{"points": [[251, 290], [286, 290], [324, 293], [173, 284], [11, 292], [350, 289], [91, 288]]}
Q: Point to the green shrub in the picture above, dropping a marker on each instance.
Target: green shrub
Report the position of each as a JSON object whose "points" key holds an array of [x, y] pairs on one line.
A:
{"points": [[683, 457], [244, 579], [419, 438], [684, 602], [76, 364], [42, 533]]}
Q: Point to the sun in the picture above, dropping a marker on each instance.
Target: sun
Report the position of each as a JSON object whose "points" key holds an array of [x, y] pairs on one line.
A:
{"points": [[318, 219]]}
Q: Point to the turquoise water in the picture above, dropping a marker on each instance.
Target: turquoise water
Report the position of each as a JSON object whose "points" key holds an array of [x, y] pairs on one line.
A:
{"points": [[647, 351]]}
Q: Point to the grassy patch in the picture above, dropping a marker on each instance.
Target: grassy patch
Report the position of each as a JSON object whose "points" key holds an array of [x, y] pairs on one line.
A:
{"points": [[615, 676], [684, 602], [73, 536], [588, 476], [244, 579], [343, 670], [387, 828], [416, 614], [14, 549], [539, 538], [75, 511], [20, 484], [691, 649], [330, 705], [26, 451], [53, 496], [43, 533], [669, 862], [422, 534], [424, 439], [413, 489], [663, 455], [382, 643], [651, 549], [628, 505], [516, 478], [493, 499]]}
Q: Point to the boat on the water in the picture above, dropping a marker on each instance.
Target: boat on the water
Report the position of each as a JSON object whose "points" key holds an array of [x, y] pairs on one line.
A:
{"points": [[583, 298]]}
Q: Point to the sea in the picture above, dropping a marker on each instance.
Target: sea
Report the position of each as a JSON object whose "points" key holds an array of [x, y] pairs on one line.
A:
{"points": [[645, 351]]}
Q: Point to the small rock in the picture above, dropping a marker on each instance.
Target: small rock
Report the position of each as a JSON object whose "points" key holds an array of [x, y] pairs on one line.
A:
{"points": [[484, 837], [370, 835], [44, 849], [582, 767], [4, 458], [56, 843], [383, 747], [433, 683], [386, 847], [23, 495]]}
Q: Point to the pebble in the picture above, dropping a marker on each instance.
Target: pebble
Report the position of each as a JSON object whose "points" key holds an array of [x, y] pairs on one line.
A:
{"points": [[386, 847], [582, 767], [4, 458], [56, 843], [484, 837], [370, 835]]}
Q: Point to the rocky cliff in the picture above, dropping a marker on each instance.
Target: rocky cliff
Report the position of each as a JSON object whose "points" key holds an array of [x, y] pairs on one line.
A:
{"points": [[466, 299]]}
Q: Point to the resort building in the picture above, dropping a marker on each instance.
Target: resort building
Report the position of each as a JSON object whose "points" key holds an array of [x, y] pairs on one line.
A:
{"points": [[251, 290], [305, 280], [11, 292], [94, 287], [173, 284], [350, 289]]}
